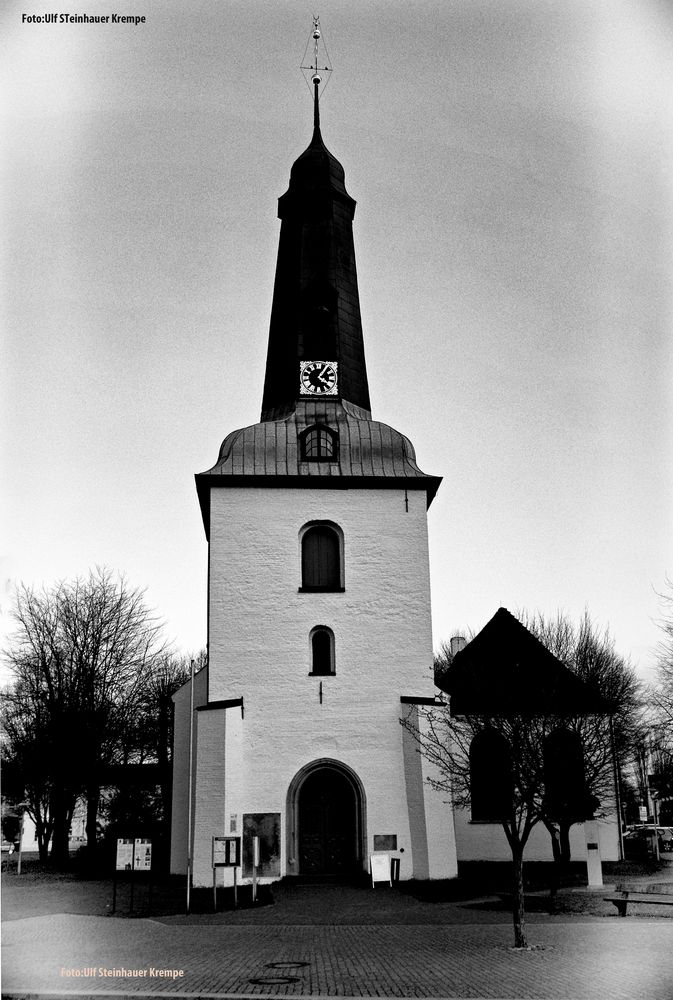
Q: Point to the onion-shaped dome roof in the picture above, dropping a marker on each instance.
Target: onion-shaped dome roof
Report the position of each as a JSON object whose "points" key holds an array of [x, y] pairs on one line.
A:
{"points": [[366, 451]]}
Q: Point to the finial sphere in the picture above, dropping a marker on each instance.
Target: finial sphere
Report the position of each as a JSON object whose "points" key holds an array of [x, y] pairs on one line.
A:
{"points": [[316, 79], [316, 33]]}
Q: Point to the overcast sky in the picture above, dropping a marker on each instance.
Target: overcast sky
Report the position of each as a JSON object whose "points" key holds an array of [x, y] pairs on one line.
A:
{"points": [[512, 164]]}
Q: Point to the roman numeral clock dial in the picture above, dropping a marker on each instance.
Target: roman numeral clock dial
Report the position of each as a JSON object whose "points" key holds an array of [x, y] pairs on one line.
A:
{"points": [[318, 378]]}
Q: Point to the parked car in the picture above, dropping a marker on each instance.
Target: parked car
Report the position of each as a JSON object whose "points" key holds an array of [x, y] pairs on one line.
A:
{"points": [[639, 841], [665, 834], [7, 847]]}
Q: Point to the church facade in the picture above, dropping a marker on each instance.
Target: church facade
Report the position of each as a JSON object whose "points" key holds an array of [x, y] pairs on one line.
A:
{"points": [[319, 594], [319, 629]]}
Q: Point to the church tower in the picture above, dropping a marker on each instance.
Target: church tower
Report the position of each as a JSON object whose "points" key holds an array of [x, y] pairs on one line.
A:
{"points": [[319, 593]]}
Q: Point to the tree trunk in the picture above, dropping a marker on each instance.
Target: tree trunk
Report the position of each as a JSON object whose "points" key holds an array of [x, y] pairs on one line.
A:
{"points": [[562, 860], [518, 899], [43, 836], [555, 879], [163, 759], [92, 799], [564, 835], [60, 841]]}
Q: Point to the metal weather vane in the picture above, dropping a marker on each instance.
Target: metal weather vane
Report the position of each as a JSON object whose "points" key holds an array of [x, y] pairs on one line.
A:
{"points": [[320, 70]]}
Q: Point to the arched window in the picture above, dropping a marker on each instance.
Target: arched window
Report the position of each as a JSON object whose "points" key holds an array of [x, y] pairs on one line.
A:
{"points": [[319, 444], [321, 558], [566, 795], [491, 782], [322, 651]]}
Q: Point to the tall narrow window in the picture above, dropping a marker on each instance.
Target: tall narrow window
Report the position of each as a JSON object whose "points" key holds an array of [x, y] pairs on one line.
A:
{"points": [[321, 559], [322, 651], [491, 784], [566, 795]]}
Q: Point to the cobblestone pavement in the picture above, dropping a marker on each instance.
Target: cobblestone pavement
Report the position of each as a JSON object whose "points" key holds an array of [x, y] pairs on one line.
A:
{"points": [[611, 958]]}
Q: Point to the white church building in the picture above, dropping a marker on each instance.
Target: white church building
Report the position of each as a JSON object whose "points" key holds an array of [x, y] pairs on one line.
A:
{"points": [[319, 631], [319, 628]]}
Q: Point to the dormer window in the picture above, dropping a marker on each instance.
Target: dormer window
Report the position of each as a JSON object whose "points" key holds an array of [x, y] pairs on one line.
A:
{"points": [[319, 444]]}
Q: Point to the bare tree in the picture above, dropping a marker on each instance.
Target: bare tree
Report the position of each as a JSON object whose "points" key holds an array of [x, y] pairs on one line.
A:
{"points": [[155, 723], [661, 718], [548, 763], [81, 656], [25, 747], [610, 740], [517, 801], [138, 793]]}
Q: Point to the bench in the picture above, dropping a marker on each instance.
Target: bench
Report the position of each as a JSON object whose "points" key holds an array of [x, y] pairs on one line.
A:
{"points": [[660, 894]]}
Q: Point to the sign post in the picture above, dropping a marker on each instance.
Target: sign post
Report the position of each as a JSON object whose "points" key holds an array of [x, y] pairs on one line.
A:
{"points": [[123, 863], [190, 788], [133, 854], [142, 862], [226, 854], [255, 864]]}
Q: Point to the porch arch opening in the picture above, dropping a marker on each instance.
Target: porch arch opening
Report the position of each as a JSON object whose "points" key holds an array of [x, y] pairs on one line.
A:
{"points": [[326, 821]]}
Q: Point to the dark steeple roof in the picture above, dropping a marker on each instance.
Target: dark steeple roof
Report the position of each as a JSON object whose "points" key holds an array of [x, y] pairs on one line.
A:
{"points": [[315, 313], [505, 671], [315, 316]]}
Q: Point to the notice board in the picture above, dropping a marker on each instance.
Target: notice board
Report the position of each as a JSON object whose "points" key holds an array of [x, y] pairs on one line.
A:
{"points": [[142, 855], [226, 852], [124, 855]]}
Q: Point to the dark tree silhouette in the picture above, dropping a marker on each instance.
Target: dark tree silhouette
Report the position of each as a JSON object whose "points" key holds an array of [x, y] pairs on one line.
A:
{"points": [[82, 656]]}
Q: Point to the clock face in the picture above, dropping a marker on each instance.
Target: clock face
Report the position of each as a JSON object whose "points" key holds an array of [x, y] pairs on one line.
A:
{"points": [[318, 378]]}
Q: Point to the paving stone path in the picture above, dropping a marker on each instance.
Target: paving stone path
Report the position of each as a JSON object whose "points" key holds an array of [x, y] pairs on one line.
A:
{"points": [[325, 942], [603, 959]]}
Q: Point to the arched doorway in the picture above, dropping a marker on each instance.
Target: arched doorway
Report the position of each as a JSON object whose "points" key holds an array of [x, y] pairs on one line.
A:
{"points": [[326, 806]]}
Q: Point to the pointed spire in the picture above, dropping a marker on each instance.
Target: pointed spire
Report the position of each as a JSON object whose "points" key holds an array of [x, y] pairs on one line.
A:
{"points": [[315, 314], [316, 108], [313, 73]]}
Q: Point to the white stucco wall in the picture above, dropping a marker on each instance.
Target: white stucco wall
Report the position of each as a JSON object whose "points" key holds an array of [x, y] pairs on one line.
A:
{"points": [[259, 622], [430, 810], [487, 841], [179, 811], [259, 625]]}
